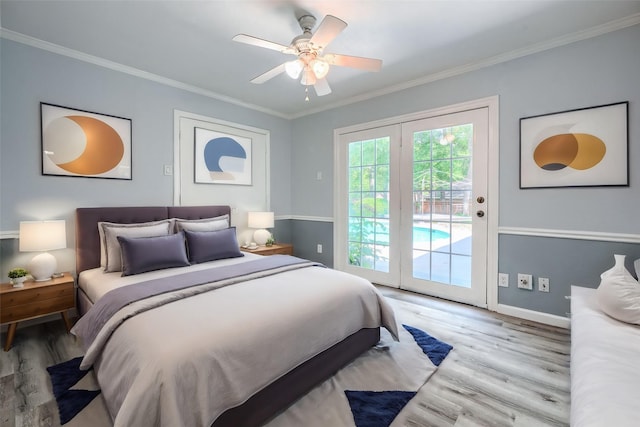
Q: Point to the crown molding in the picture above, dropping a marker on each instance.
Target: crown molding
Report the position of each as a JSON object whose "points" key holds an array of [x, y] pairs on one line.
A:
{"points": [[95, 60]]}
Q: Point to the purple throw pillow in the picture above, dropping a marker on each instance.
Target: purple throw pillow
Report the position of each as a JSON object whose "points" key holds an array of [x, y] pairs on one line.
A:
{"points": [[143, 254], [212, 245]]}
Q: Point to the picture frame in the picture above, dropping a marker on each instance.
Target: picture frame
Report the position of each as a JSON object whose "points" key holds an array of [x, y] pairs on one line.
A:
{"points": [[585, 147], [222, 158], [80, 143]]}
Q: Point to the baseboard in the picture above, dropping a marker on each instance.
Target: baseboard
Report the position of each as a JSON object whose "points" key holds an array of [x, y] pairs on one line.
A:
{"points": [[536, 316]]}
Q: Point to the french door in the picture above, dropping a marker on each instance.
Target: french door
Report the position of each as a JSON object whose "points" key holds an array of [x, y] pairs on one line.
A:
{"points": [[412, 205]]}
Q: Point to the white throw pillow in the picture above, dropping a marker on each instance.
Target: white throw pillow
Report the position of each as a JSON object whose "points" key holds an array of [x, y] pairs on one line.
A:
{"points": [[619, 293], [110, 254]]}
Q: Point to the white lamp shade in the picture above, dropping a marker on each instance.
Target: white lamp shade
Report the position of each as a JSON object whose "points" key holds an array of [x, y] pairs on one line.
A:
{"points": [[320, 68], [42, 236], [260, 220], [308, 78], [294, 68]]}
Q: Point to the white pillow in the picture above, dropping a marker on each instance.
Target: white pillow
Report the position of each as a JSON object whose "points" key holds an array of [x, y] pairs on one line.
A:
{"points": [[619, 294], [205, 224], [110, 254]]}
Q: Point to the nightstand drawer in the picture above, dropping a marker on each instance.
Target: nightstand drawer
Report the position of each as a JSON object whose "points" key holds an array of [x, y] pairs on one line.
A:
{"points": [[36, 308], [26, 295], [275, 251]]}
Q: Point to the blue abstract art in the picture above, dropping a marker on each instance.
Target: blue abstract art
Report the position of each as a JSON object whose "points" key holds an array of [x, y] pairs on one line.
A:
{"points": [[221, 158]]}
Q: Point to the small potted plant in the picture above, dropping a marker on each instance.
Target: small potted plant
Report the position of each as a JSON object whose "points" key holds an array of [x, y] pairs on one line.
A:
{"points": [[18, 276], [270, 241]]}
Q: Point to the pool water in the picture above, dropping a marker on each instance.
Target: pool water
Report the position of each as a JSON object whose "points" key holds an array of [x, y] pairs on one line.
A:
{"points": [[420, 235], [424, 234]]}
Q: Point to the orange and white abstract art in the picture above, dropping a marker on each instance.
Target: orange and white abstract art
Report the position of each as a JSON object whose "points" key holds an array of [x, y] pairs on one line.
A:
{"points": [[586, 147], [85, 144]]}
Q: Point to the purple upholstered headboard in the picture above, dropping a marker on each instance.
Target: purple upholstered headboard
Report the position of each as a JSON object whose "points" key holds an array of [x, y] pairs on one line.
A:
{"points": [[87, 237]]}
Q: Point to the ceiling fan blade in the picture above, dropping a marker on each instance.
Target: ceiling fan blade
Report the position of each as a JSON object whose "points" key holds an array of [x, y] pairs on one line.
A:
{"points": [[255, 41], [322, 87], [269, 74], [328, 30], [368, 64]]}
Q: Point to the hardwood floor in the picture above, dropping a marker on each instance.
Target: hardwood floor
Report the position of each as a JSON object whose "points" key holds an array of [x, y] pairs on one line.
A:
{"points": [[503, 371]]}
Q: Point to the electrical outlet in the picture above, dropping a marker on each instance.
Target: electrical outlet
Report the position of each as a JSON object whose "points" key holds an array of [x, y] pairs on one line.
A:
{"points": [[503, 280], [319, 248], [543, 284], [525, 281]]}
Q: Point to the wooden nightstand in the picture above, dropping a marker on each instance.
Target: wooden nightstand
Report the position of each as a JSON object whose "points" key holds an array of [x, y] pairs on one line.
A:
{"points": [[35, 299], [278, 248]]}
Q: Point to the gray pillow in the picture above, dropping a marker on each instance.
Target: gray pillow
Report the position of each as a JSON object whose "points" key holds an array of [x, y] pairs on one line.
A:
{"points": [[205, 224], [212, 245], [111, 231], [143, 254]]}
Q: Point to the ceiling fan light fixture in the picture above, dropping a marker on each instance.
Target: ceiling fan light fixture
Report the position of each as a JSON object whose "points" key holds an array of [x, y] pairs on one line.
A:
{"points": [[320, 68], [294, 68], [308, 77]]}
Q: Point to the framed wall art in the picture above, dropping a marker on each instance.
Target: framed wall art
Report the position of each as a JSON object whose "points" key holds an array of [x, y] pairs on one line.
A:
{"points": [[84, 144], [586, 147], [221, 158]]}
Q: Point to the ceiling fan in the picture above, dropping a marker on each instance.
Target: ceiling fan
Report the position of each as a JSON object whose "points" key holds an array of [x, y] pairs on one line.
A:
{"points": [[312, 65]]}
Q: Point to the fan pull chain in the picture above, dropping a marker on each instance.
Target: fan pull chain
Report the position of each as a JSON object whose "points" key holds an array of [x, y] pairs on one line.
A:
{"points": [[306, 93]]}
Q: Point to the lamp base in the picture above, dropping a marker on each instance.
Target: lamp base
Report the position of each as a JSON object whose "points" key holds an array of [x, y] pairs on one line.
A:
{"points": [[42, 267], [261, 236]]}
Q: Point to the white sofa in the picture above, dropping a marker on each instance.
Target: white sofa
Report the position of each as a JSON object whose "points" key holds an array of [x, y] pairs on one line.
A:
{"points": [[605, 366]]}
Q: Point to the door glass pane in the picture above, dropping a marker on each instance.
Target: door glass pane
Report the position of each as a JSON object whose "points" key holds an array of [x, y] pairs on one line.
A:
{"points": [[442, 199], [369, 204]]}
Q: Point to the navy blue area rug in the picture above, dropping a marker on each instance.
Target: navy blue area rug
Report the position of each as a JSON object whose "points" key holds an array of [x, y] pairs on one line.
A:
{"points": [[435, 349], [369, 392], [377, 408], [380, 408], [71, 401]]}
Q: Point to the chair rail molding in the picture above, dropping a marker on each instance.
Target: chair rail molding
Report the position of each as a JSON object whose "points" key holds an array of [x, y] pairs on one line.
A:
{"points": [[571, 234]]}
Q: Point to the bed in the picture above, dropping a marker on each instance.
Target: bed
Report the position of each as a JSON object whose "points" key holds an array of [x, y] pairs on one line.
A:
{"points": [[604, 365], [216, 356]]}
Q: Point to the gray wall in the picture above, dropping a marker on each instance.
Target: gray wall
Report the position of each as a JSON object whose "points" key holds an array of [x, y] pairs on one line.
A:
{"points": [[592, 72], [30, 76]]}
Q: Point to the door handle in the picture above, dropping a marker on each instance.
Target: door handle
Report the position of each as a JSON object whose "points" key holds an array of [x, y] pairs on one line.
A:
{"points": [[480, 214]]}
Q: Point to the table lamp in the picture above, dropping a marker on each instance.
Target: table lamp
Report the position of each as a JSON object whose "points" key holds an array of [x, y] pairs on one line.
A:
{"points": [[42, 236], [260, 221]]}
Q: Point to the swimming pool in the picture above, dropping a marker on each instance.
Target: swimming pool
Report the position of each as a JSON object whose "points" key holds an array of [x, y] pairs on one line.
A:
{"points": [[421, 234], [425, 234]]}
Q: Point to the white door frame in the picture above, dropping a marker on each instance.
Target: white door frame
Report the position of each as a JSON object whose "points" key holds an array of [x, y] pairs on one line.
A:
{"points": [[492, 104]]}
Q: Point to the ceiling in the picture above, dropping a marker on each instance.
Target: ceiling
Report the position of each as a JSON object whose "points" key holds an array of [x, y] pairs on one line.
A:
{"points": [[188, 43]]}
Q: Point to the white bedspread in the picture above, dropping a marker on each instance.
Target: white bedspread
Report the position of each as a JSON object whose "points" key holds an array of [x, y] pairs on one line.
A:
{"points": [[184, 363], [605, 366]]}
